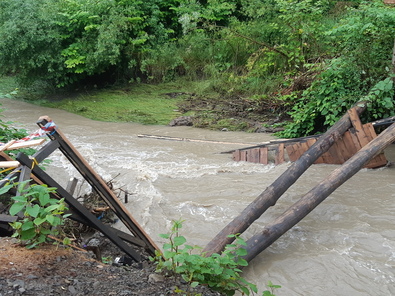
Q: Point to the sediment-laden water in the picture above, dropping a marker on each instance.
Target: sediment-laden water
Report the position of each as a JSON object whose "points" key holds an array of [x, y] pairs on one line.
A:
{"points": [[346, 246]]}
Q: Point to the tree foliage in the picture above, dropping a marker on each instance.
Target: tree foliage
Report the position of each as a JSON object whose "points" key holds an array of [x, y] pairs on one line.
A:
{"points": [[317, 57]]}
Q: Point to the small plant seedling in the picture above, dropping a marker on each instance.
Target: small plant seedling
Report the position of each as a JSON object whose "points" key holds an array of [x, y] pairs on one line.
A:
{"points": [[272, 287]]}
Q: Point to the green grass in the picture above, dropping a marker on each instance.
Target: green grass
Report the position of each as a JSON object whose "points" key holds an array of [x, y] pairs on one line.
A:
{"points": [[140, 103], [143, 104]]}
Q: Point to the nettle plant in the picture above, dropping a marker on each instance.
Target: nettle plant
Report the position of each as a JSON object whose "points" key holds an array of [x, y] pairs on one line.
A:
{"points": [[219, 272], [42, 215]]}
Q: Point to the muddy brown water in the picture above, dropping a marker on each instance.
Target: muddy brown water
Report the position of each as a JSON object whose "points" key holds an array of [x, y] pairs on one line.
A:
{"points": [[346, 246]]}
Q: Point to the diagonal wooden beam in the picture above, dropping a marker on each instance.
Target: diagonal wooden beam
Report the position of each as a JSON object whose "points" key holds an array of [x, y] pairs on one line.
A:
{"points": [[76, 206], [272, 193], [98, 184]]}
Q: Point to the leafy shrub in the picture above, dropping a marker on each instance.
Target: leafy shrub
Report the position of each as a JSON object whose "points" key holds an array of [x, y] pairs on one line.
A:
{"points": [[363, 41], [43, 215], [219, 272], [65, 41]]}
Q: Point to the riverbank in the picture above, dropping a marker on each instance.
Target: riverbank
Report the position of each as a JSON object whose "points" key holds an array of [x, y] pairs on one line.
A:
{"points": [[195, 103], [53, 270]]}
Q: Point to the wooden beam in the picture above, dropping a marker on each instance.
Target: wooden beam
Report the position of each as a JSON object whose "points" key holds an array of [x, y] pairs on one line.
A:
{"points": [[188, 140], [7, 145], [26, 144], [279, 155], [263, 154], [356, 122], [272, 193], [272, 231], [39, 156], [98, 185], [122, 235], [71, 185], [80, 209], [9, 164]]}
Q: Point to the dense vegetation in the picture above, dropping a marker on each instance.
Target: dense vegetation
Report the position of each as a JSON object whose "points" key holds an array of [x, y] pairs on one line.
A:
{"points": [[312, 59]]}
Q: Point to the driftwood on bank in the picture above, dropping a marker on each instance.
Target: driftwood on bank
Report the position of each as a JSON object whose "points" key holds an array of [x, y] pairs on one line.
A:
{"points": [[272, 193], [319, 193]]}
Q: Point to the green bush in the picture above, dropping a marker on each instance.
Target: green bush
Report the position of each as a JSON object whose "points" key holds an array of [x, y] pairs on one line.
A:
{"points": [[219, 272], [42, 215], [363, 42], [63, 42]]}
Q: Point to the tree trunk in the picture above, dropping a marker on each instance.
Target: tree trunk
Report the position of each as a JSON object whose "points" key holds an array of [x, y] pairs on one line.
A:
{"points": [[272, 193], [319, 193]]}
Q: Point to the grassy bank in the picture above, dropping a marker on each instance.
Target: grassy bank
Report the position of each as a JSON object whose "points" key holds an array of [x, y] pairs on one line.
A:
{"points": [[140, 103], [152, 104]]}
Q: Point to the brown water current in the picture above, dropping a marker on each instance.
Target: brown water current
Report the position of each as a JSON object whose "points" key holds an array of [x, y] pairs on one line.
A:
{"points": [[346, 246]]}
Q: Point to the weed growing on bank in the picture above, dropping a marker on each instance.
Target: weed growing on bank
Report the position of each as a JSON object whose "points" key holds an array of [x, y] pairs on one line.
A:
{"points": [[43, 216], [220, 272]]}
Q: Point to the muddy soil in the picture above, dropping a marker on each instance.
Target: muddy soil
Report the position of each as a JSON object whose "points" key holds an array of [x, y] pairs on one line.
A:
{"points": [[55, 270], [92, 265], [232, 112]]}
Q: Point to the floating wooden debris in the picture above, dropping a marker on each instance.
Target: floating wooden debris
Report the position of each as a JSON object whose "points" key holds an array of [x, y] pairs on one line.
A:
{"points": [[343, 149], [168, 138]]}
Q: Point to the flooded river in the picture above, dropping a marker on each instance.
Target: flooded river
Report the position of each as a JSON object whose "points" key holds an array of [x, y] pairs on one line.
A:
{"points": [[346, 246]]}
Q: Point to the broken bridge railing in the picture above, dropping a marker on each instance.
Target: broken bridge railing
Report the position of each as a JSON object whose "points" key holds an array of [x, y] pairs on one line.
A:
{"points": [[27, 168]]}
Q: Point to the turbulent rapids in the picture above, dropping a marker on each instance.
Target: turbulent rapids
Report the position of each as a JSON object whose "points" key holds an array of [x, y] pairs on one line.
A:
{"points": [[346, 246]]}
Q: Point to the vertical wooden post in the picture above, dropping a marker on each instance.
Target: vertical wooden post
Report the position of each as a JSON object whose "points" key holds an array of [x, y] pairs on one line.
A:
{"points": [[319, 193], [272, 193], [279, 157]]}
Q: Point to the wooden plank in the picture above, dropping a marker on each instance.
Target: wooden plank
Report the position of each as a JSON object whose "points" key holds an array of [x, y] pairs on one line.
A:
{"points": [[380, 160], [122, 235], [341, 151], [98, 185], [275, 229], [297, 151], [332, 156], [272, 143], [273, 192], [7, 218], [253, 155], [26, 144], [311, 142], [187, 139], [9, 164], [349, 143], [263, 153], [356, 122], [243, 155], [72, 202], [291, 151], [7, 145], [353, 135], [236, 155], [279, 156]]}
